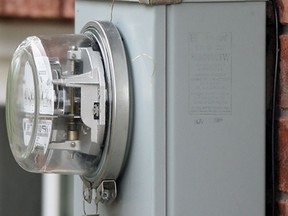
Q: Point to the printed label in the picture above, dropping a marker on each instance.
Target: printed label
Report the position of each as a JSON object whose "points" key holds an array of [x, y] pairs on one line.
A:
{"points": [[27, 130], [42, 135], [210, 77]]}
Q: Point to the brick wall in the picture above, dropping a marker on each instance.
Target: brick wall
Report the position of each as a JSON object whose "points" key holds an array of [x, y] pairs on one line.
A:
{"points": [[48, 9], [283, 114]]}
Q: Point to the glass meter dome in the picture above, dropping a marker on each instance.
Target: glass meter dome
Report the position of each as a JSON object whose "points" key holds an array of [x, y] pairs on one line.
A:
{"points": [[68, 103]]}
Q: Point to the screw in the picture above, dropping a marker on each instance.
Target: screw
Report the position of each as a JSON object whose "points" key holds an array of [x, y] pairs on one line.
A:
{"points": [[72, 144], [105, 195], [73, 56]]}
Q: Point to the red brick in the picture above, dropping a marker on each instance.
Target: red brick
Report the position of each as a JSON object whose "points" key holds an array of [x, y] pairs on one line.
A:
{"points": [[283, 94], [16, 8], [37, 8], [283, 11], [68, 7], [2, 6], [283, 208], [45, 9], [283, 154]]}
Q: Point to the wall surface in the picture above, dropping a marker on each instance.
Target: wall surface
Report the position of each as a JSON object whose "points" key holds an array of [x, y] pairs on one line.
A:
{"points": [[37, 9], [282, 100], [283, 105]]}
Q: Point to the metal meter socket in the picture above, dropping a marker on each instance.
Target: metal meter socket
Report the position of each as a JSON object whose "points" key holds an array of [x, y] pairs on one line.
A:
{"points": [[68, 103]]}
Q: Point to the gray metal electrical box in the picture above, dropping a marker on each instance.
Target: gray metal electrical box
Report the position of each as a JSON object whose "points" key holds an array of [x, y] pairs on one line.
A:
{"points": [[198, 141]]}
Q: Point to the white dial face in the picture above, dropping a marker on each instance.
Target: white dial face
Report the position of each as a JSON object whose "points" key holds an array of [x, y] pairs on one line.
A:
{"points": [[44, 75], [46, 102], [28, 90]]}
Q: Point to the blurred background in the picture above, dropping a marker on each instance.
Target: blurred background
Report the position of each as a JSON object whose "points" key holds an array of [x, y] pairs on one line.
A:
{"points": [[21, 192]]}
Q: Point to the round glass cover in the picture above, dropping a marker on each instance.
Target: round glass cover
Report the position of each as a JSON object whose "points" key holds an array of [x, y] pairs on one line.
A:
{"points": [[27, 133], [44, 123], [68, 106]]}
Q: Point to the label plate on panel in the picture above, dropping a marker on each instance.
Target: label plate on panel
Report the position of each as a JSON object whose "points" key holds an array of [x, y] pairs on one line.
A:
{"points": [[210, 76]]}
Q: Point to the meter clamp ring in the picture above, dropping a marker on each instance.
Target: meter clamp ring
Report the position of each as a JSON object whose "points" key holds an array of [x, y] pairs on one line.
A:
{"points": [[115, 144]]}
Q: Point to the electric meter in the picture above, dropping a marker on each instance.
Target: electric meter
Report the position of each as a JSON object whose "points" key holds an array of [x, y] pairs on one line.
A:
{"points": [[68, 103]]}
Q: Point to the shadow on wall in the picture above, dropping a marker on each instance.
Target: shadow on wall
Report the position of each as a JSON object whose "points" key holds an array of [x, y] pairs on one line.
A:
{"points": [[20, 191]]}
